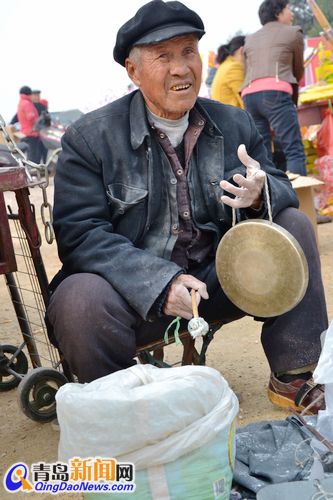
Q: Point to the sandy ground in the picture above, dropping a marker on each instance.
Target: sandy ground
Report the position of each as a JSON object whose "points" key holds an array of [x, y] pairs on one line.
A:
{"points": [[236, 352]]}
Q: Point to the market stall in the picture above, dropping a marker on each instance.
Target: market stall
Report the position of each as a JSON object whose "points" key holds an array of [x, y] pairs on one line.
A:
{"points": [[315, 112]]}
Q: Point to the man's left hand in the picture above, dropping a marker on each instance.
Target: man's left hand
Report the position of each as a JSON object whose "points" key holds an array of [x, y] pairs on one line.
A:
{"points": [[249, 194]]}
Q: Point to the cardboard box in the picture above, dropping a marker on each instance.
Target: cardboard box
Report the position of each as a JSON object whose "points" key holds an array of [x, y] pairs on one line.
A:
{"points": [[13, 134], [304, 188]]}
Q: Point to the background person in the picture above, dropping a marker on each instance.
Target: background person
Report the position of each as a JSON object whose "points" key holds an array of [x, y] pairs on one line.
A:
{"points": [[229, 77], [138, 213], [35, 97], [14, 120], [42, 111], [273, 65], [45, 103], [27, 115]]}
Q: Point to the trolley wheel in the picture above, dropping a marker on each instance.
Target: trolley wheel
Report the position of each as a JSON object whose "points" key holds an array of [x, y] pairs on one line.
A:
{"points": [[18, 365], [36, 393]]}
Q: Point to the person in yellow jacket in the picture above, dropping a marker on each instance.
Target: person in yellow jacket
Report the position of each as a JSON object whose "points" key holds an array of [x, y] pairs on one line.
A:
{"points": [[230, 75]]}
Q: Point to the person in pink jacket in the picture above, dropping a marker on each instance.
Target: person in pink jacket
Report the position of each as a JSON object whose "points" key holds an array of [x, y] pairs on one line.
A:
{"points": [[273, 66], [27, 115]]}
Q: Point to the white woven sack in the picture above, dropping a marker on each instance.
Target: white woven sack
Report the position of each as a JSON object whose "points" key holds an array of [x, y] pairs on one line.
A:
{"points": [[144, 415]]}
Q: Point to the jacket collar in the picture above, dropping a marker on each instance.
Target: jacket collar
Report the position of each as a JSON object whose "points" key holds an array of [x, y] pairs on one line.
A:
{"points": [[138, 120], [210, 128]]}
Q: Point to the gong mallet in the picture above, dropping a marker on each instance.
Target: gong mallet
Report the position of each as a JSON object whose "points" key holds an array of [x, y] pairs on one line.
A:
{"points": [[196, 326]]}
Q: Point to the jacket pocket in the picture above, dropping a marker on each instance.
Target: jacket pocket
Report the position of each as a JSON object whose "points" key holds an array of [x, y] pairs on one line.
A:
{"points": [[123, 197], [127, 209]]}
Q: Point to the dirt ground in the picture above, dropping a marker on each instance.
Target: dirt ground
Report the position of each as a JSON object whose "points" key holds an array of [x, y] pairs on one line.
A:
{"points": [[236, 352]]}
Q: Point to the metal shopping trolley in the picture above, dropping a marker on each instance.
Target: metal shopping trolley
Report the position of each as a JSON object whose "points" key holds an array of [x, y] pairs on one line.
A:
{"points": [[22, 266], [40, 373]]}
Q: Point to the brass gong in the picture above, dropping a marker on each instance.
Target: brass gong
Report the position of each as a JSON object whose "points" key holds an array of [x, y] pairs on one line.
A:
{"points": [[262, 268]]}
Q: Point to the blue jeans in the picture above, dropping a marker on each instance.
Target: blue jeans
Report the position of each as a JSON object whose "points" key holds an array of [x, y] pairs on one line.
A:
{"points": [[276, 109]]}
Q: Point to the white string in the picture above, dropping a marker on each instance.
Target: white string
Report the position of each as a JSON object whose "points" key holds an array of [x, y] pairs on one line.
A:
{"points": [[298, 462], [322, 493]]}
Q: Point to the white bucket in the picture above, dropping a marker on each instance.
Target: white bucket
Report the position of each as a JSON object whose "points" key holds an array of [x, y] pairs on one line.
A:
{"points": [[175, 425]]}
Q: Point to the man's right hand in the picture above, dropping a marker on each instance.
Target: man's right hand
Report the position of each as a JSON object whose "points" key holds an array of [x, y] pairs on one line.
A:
{"points": [[178, 302]]}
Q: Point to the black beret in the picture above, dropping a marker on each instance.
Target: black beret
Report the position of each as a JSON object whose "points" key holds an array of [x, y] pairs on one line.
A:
{"points": [[155, 22], [25, 90]]}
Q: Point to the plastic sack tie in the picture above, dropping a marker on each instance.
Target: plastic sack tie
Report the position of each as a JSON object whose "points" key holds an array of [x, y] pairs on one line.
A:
{"points": [[176, 321]]}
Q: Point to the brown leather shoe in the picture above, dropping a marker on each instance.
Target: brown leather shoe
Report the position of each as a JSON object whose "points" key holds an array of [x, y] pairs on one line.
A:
{"points": [[298, 394]]}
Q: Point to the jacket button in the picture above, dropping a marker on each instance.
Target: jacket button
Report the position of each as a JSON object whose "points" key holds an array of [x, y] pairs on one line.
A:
{"points": [[186, 214], [121, 211], [162, 136], [173, 181], [180, 171], [201, 122]]}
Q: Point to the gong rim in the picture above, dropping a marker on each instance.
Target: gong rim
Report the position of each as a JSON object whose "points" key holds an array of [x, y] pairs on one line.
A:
{"points": [[262, 268]]}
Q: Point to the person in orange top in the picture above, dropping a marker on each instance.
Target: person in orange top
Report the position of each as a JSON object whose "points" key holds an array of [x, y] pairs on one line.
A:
{"points": [[27, 115], [230, 75]]}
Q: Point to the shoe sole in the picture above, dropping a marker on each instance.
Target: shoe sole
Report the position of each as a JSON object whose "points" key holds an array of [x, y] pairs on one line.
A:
{"points": [[284, 402]]}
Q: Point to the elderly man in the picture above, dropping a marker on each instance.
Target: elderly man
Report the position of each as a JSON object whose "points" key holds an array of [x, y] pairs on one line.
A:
{"points": [[138, 213], [46, 121]]}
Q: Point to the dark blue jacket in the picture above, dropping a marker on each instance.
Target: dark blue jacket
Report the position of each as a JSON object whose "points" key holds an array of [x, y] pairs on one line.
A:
{"points": [[108, 187]]}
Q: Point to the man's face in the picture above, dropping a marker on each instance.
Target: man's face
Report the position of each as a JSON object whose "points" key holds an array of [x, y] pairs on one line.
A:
{"points": [[169, 75], [35, 97]]}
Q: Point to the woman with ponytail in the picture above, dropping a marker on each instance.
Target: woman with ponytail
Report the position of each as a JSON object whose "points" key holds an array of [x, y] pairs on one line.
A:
{"points": [[230, 75]]}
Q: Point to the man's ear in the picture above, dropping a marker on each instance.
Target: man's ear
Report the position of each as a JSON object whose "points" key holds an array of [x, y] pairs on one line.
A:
{"points": [[133, 72]]}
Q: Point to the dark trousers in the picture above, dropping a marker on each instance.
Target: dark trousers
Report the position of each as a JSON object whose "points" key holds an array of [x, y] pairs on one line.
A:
{"points": [[42, 152], [98, 331], [33, 148], [276, 109]]}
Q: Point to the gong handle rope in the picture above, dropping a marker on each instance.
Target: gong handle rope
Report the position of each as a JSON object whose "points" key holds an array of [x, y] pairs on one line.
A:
{"points": [[268, 200]]}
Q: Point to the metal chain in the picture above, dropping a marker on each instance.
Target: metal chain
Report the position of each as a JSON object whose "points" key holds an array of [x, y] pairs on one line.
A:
{"points": [[22, 160]]}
